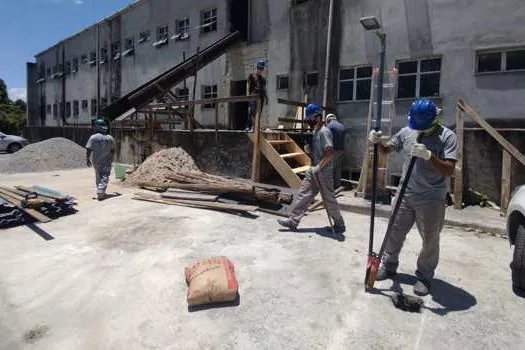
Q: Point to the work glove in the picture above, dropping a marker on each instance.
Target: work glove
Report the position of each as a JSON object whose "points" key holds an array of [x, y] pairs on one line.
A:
{"points": [[420, 150], [375, 136], [88, 163], [315, 170]]}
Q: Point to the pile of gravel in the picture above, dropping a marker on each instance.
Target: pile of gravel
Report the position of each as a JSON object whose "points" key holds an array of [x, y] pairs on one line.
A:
{"points": [[160, 165], [52, 154]]}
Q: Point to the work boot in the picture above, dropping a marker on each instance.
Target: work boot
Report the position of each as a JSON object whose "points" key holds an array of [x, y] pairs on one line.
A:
{"points": [[339, 228], [384, 273], [423, 286], [288, 223]]}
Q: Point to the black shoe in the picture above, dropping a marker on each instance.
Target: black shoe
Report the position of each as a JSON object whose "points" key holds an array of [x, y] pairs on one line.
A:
{"points": [[384, 274], [288, 223], [339, 229]]}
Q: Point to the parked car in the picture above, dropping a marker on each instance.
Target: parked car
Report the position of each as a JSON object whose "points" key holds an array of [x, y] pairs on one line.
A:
{"points": [[516, 234], [12, 143]]}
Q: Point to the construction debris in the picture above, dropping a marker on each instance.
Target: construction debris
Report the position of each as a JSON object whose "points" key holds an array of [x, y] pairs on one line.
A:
{"points": [[157, 167], [53, 154], [23, 205]]}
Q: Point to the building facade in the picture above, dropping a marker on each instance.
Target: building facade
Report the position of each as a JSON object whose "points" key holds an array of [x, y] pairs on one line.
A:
{"points": [[440, 49]]}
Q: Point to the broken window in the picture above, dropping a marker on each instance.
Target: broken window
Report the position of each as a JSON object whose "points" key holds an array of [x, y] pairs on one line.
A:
{"points": [[84, 105], [144, 36], [75, 109], [419, 78], [209, 91], [130, 47], [283, 82], [208, 20], [355, 83], [183, 29], [115, 51]]}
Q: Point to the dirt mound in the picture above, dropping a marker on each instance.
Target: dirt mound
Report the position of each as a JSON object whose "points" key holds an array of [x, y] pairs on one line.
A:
{"points": [[53, 154], [160, 165]]}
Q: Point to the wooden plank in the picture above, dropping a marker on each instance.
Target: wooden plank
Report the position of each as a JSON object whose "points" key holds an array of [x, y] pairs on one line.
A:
{"points": [[458, 176], [506, 165], [279, 142], [42, 194], [292, 147], [301, 169], [196, 204], [21, 195], [496, 135], [31, 212], [256, 156], [280, 165], [291, 155], [190, 196]]}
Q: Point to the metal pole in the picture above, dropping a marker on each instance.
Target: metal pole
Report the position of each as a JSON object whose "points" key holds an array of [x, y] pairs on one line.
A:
{"points": [[328, 47], [382, 37], [98, 68]]}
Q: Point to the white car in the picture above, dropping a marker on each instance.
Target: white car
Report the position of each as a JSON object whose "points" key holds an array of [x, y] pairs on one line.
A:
{"points": [[12, 143], [516, 233]]}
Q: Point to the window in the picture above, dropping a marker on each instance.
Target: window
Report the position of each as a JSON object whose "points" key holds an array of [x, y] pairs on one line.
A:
{"points": [[48, 72], [183, 29], [283, 82], [355, 83], [48, 109], [68, 109], [209, 91], [84, 105], [84, 59], [68, 68], [104, 54], [115, 50], [75, 109], [420, 78], [144, 36], [500, 61], [208, 21], [55, 111], [312, 79], [130, 47], [61, 110], [93, 106], [41, 71], [93, 58], [103, 102], [75, 65], [183, 94], [162, 36]]}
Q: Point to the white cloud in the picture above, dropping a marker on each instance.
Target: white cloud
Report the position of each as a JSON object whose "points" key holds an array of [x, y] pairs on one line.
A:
{"points": [[17, 93], [78, 2]]}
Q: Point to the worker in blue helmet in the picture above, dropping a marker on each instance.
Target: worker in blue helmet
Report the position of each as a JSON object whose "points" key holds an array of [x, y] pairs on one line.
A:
{"points": [[319, 178], [256, 85], [100, 150], [424, 201]]}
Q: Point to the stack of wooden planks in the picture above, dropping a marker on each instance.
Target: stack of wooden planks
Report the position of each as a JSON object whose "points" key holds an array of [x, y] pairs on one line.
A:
{"points": [[22, 204]]}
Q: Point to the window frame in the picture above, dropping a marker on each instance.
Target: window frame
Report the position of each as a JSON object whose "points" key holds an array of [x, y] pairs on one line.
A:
{"points": [[354, 81], [210, 22], [76, 109], [182, 32], [162, 39], [129, 49], [93, 107], [144, 36], [503, 63], [84, 106], [115, 50], [212, 94], [278, 78], [418, 75]]}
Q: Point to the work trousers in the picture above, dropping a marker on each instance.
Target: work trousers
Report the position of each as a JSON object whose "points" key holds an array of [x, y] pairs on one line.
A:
{"points": [[250, 120], [309, 189], [102, 179], [338, 168], [429, 216]]}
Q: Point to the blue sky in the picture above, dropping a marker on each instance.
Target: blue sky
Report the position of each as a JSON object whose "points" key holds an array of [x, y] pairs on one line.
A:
{"points": [[30, 26]]}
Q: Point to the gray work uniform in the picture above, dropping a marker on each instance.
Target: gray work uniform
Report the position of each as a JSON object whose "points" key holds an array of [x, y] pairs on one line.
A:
{"points": [[322, 140], [424, 200], [102, 147], [338, 133]]}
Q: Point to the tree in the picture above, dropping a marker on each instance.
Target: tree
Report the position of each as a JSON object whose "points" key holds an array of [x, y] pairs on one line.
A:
{"points": [[4, 99], [12, 114]]}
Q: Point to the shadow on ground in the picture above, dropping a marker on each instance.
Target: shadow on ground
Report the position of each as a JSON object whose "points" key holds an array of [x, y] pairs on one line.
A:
{"points": [[232, 303], [320, 231]]}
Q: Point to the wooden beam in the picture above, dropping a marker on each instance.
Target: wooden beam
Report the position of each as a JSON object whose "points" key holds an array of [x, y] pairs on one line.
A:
{"points": [[196, 204], [256, 156], [458, 176], [231, 99], [496, 135], [506, 166]]}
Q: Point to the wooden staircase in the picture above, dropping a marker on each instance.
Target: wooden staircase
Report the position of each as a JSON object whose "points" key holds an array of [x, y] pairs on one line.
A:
{"points": [[284, 155]]}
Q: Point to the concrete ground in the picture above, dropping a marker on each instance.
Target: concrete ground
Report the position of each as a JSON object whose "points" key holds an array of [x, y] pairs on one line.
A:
{"points": [[112, 278]]}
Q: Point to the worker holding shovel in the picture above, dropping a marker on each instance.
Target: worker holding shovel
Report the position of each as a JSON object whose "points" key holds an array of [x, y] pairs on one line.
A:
{"points": [[319, 178], [424, 199]]}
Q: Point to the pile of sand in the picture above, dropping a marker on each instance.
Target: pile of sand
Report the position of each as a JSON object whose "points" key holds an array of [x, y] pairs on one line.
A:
{"points": [[160, 165]]}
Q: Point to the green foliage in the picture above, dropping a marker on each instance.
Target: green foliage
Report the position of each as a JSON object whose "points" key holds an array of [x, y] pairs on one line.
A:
{"points": [[12, 114]]}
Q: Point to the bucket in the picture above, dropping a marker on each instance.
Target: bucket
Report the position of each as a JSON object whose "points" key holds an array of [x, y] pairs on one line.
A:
{"points": [[120, 171]]}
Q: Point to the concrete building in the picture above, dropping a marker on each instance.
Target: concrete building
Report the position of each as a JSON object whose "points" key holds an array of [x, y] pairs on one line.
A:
{"points": [[441, 49]]}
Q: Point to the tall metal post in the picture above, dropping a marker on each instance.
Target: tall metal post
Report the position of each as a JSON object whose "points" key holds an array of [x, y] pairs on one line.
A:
{"points": [[328, 47]]}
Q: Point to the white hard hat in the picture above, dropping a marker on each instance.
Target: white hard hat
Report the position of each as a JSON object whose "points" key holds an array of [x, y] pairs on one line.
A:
{"points": [[330, 117]]}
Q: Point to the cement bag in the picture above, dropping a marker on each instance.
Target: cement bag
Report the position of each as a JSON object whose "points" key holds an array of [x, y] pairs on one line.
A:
{"points": [[211, 280]]}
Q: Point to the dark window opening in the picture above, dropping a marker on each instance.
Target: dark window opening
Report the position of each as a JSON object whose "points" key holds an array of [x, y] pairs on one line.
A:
{"points": [[489, 62], [182, 29], [516, 60], [94, 107], [75, 109], [312, 79], [355, 84], [55, 110], [283, 82], [144, 36], [183, 94], [48, 109], [419, 78], [84, 105], [239, 18], [75, 65], [406, 86], [115, 50], [68, 109]]}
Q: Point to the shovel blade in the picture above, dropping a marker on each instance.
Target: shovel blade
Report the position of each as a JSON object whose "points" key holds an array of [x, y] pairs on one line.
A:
{"points": [[372, 268]]}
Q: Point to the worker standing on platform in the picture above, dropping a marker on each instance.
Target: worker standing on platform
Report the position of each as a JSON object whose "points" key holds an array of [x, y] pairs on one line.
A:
{"points": [[101, 148], [319, 177], [256, 85], [424, 199], [338, 133]]}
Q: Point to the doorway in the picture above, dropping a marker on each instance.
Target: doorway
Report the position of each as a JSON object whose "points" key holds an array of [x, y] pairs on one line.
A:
{"points": [[239, 13], [238, 110]]}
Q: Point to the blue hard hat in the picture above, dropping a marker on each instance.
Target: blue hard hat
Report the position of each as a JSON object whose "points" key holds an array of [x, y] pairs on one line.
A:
{"points": [[312, 110], [261, 63], [421, 115]]}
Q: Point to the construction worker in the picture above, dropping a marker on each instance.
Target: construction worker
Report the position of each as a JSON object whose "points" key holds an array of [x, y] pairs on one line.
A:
{"points": [[256, 85], [338, 133], [424, 199], [319, 177], [101, 148]]}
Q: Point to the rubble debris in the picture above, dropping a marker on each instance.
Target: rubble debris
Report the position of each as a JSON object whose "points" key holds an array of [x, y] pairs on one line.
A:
{"points": [[53, 154], [161, 164]]}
